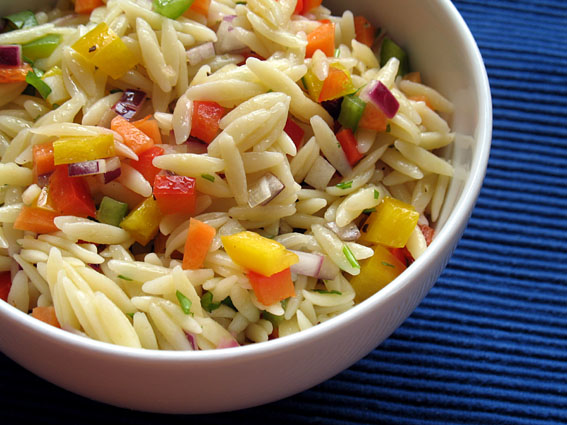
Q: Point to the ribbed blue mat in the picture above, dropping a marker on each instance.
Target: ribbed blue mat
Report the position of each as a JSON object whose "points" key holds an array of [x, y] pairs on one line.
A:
{"points": [[489, 343]]}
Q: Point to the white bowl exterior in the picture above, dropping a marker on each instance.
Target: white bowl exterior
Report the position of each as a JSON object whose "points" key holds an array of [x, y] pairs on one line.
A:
{"points": [[442, 48]]}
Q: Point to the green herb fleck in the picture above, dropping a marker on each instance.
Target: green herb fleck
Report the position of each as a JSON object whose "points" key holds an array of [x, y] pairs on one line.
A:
{"points": [[208, 177], [276, 320], [207, 302], [55, 106], [337, 52], [120, 276], [387, 264], [131, 315], [388, 128], [34, 80], [344, 185], [369, 210], [241, 2], [338, 145], [326, 291], [376, 194], [184, 302], [350, 257], [228, 302]]}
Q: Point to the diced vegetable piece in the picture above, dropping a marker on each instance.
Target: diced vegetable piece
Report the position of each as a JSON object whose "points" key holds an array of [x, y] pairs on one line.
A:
{"points": [[201, 6], [298, 7], [364, 30], [309, 264], [198, 54], [150, 127], [14, 74], [130, 103], [70, 195], [310, 4], [36, 220], [352, 108], [391, 224], [172, 9], [428, 233], [373, 118], [41, 47], [264, 190], [5, 285], [205, 120], [337, 84], [144, 164], [199, 239], [109, 167], [295, 132], [257, 253], [175, 194], [143, 221], [322, 38], [320, 174], [272, 289], [422, 98], [33, 80], [349, 145], [78, 149], [104, 49], [383, 98], [134, 138], [312, 84], [21, 20], [43, 161], [111, 211], [10, 55], [403, 255], [375, 273], [87, 6], [47, 315], [226, 41], [349, 232], [54, 79], [390, 49], [413, 76]]}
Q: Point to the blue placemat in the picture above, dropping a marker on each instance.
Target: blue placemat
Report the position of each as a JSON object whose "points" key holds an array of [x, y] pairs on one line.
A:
{"points": [[489, 343]]}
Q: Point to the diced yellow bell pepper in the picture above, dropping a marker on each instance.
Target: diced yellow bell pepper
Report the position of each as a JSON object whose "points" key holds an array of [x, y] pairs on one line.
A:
{"points": [[79, 149], [312, 84], [143, 221], [257, 253], [391, 224], [104, 49], [375, 273]]}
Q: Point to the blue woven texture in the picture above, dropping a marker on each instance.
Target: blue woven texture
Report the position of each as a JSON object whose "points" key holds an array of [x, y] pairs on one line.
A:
{"points": [[489, 342]]}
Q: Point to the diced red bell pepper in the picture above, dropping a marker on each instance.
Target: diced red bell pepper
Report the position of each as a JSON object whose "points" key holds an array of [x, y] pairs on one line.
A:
{"points": [[144, 163], [205, 120], [310, 4], [35, 219], [87, 6], [428, 232], [274, 288], [5, 285], [349, 145], [199, 239], [295, 132], [403, 255], [71, 195], [175, 194], [365, 32]]}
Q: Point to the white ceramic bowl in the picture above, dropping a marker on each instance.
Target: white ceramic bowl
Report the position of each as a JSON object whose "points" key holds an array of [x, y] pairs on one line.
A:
{"points": [[442, 48]]}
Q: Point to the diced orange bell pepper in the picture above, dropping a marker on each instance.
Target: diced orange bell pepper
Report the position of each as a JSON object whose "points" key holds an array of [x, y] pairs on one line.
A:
{"points": [[201, 6], [375, 273], [257, 253], [14, 74], [134, 138], [364, 30], [422, 98], [175, 194], [47, 315], [5, 285], [38, 220], [337, 84], [413, 76], [373, 118], [321, 38], [87, 6], [205, 120], [391, 224], [272, 289], [150, 127], [199, 239], [43, 162], [70, 195]]}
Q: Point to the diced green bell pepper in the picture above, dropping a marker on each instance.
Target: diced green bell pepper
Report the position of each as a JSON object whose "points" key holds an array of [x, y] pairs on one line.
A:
{"points": [[352, 108], [390, 49], [172, 9], [41, 47], [111, 211]]}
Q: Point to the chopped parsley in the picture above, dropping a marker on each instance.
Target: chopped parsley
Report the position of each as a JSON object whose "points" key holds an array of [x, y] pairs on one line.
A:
{"points": [[207, 302], [388, 128], [350, 257], [387, 264], [208, 177], [120, 276], [344, 185], [337, 52], [369, 210], [326, 291], [131, 315], [184, 302], [376, 194]]}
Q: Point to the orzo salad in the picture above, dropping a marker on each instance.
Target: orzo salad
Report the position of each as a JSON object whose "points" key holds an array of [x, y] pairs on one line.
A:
{"points": [[202, 174]]}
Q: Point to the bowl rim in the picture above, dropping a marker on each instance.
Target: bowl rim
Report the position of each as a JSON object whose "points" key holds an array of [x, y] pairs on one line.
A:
{"points": [[454, 224]]}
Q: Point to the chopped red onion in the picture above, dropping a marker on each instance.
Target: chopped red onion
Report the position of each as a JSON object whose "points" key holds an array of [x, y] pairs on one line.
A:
{"points": [[195, 146], [349, 232], [309, 264], [200, 53], [383, 98], [130, 103], [192, 340], [329, 270], [227, 42], [264, 190], [11, 55], [228, 343], [110, 168]]}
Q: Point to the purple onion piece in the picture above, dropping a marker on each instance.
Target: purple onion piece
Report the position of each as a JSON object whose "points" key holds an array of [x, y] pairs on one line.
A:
{"points": [[309, 264], [384, 99], [85, 168], [11, 55], [264, 190], [130, 103], [348, 233], [192, 341], [200, 53]]}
